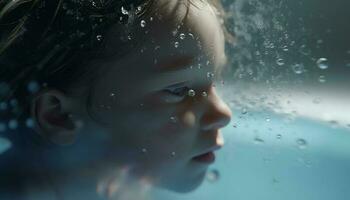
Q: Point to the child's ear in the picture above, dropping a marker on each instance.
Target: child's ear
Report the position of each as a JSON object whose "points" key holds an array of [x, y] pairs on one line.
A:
{"points": [[51, 110]]}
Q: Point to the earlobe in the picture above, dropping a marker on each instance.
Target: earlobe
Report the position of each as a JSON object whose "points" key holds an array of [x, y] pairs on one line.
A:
{"points": [[50, 110]]}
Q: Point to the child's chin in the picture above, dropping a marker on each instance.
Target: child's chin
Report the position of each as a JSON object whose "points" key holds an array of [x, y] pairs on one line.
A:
{"points": [[184, 185]]}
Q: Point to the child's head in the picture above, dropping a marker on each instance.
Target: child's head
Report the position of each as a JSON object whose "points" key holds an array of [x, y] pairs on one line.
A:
{"points": [[137, 91]]}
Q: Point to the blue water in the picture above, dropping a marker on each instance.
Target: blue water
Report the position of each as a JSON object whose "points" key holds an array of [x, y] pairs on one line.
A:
{"points": [[276, 169]]}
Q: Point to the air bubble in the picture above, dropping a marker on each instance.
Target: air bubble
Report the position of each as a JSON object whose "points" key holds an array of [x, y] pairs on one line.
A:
{"points": [[280, 62], [322, 79], [258, 140], [191, 93], [143, 23], [5, 145], [302, 144], [3, 106], [13, 124], [204, 94], [210, 75], [244, 111], [213, 176], [124, 11], [144, 150], [176, 44], [278, 136], [182, 36], [33, 87], [30, 123], [99, 37], [173, 119], [173, 153], [322, 63], [267, 119], [2, 127], [298, 68]]}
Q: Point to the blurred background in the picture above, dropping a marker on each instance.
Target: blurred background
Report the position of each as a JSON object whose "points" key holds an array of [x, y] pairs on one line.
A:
{"points": [[288, 85]]}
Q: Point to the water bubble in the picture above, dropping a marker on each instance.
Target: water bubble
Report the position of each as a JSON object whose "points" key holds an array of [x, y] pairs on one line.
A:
{"points": [[13, 102], [173, 119], [143, 23], [204, 94], [280, 62], [191, 93], [2, 127], [322, 63], [30, 123], [210, 75], [258, 140], [244, 111], [278, 136], [3, 106], [322, 79], [33, 87], [302, 143], [298, 68], [316, 101], [99, 37], [13, 124], [176, 44], [182, 36], [124, 11], [5, 145], [213, 176]]}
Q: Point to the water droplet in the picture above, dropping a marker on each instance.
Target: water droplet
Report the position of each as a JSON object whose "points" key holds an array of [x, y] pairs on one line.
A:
{"points": [[99, 37], [302, 144], [143, 23], [322, 63], [182, 36], [191, 93], [33, 87], [280, 62], [124, 11], [298, 68], [204, 94], [213, 175], [30, 123], [278, 136], [13, 124], [322, 79], [176, 44], [258, 140], [5, 145]]}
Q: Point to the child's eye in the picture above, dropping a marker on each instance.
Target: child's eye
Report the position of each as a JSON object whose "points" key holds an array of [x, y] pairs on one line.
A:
{"points": [[176, 90]]}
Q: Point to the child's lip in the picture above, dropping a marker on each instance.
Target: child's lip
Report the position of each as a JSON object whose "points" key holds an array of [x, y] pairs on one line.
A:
{"points": [[205, 158], [207, 155]]}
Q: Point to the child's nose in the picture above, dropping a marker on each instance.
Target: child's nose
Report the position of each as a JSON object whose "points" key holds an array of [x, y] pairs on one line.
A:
{"points": [[217, 114]]}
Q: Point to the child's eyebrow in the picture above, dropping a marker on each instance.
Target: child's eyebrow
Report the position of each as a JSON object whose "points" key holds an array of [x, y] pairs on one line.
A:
{"points": [[174, 64]]}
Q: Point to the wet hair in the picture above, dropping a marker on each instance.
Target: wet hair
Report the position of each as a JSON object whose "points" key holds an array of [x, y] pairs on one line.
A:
{"points": [[50, 43]]}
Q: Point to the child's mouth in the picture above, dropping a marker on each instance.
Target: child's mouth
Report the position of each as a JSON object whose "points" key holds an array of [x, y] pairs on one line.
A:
{"points": [[205, 158]]}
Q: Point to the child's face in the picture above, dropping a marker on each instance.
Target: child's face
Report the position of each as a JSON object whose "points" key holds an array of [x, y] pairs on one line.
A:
{"points": [[143, 104]]}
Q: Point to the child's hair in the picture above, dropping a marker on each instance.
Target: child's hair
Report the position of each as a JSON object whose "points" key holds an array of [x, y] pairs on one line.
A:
{"points": [[50, 43]]}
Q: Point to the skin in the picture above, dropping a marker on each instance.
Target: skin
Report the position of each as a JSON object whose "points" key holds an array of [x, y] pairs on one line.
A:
{"points": [[141, 119]]}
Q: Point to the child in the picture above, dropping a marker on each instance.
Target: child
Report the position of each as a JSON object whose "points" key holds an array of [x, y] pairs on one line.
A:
{"points": [[120, 93]]}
